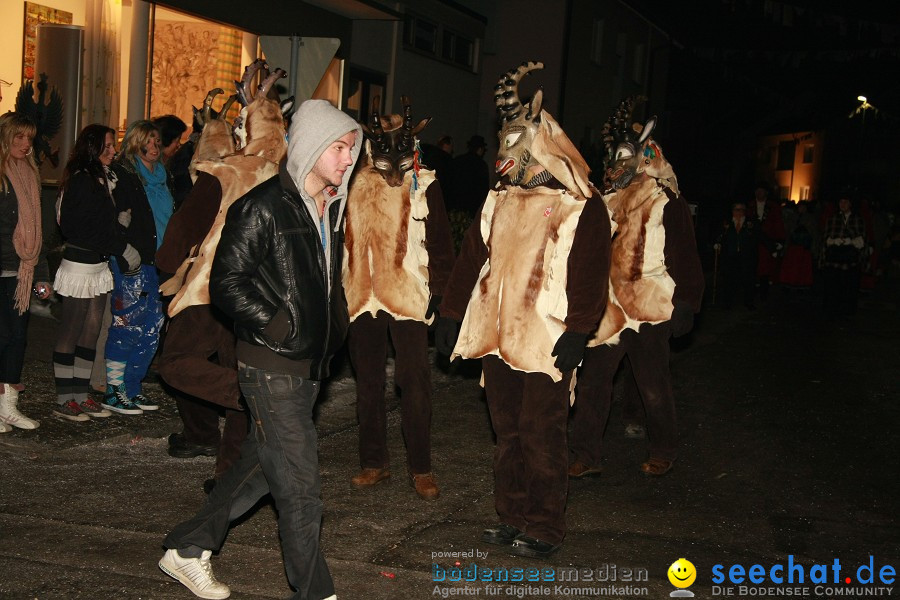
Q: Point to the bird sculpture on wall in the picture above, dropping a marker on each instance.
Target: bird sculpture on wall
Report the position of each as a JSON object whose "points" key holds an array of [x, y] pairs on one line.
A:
{"points": [[46, 114]]}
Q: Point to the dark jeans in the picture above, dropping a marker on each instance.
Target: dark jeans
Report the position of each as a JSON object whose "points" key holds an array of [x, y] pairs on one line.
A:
{"points": [[367, 342], [13, 332], [529, 413], [649, 354], [278, 457]]}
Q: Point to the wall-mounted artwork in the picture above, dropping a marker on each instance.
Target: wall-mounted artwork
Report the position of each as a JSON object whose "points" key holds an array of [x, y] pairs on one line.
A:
{"points": [[36, 14], [189, 59]]}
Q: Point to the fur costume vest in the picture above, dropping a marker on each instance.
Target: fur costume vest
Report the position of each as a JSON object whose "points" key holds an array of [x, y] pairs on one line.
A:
{"points": [[386, 260], [640, 287], [518, 306], [238, 175]]}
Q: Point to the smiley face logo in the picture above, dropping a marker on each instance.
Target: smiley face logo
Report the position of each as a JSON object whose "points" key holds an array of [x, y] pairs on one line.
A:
{"points": [[682, 573]]}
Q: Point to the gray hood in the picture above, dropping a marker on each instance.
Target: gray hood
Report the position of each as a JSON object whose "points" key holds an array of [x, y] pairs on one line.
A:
{"points": [[315, 125]]}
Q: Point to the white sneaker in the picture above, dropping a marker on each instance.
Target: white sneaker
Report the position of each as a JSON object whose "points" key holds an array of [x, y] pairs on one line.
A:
{"points": [[9, 414], [195, 573]]}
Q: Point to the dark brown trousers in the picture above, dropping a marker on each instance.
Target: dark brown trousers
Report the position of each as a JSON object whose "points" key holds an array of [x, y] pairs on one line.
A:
{"points": [[367, 342], [198, 360], [648, 351], [529, 413]]}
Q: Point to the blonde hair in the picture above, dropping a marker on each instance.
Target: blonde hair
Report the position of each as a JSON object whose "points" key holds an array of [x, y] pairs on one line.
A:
{"points": [[136, 137], [11, 125]]}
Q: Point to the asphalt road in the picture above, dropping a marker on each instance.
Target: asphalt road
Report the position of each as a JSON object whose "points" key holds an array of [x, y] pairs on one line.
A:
{"points": [[788, 459]]}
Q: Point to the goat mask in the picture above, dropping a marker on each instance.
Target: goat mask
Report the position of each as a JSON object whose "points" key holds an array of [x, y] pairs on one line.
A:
{"points": [[519, 124], [392, 141], [628, 148]]}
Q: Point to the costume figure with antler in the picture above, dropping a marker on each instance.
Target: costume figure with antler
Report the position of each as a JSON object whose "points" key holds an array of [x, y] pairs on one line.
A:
{"points": [[655, 287], [398, 258], [529, 287], [198, 360]]}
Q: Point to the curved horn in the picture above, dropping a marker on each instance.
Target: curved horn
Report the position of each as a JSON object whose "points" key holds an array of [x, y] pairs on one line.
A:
{"points": [[266, 85], [506, 95], [227, 106], [207, 104], [377, 130], [407, 122], [243, 87]]}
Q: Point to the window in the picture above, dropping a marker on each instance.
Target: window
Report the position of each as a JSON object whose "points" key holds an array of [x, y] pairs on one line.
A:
{"points": [[456, 48], [427, 37], [808, 154], [785, 160], [421, 34], [804, 192], [597, 42]]}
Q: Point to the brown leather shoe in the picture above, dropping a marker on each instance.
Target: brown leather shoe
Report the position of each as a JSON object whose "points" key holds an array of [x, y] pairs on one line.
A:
{"points": [[369, 477], [656, 466], [578, 469], [425, 485]]}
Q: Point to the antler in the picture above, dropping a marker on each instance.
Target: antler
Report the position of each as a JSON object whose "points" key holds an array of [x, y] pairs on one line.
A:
{"points": [[243, 86], [225, 107], [377, 130], [507, 90], [207, 104], [407, 124], [616, 127], [270, 81]]}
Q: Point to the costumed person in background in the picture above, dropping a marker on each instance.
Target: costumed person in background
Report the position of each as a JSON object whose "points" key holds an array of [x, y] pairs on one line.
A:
{"points": [[529, 287], [398, 258], [738, 247], [770, 238], [181, 163], [94, 230], [797, 267], [23, 264], [844, 240], [198, 359], [143, 188], [655, 288]]}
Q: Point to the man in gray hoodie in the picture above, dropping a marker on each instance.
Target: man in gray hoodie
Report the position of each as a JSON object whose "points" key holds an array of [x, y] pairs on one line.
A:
{"points": [[277, 274]]}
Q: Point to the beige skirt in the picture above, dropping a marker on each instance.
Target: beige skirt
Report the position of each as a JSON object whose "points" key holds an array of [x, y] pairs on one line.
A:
{"points": [[82, 280]]}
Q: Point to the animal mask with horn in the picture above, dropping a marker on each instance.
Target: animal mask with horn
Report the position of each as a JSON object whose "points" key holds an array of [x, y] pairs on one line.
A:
{"points": [[264, 104], [392, 141], [519, 123], [628, 150]]}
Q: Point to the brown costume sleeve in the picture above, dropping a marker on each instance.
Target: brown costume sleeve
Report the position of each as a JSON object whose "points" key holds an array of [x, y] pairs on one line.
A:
{"points": [[438, 240], [190, 223], [587, 283], [464, 275], [682, 259]]}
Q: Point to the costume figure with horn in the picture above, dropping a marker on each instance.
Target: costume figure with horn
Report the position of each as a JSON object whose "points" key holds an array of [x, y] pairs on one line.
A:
{"points": [[655, 287], [198, 359], [398, 258], [529, 287]]}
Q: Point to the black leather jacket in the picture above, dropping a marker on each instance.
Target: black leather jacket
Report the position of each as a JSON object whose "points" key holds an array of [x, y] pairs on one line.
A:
{"points": [[269, 275]]}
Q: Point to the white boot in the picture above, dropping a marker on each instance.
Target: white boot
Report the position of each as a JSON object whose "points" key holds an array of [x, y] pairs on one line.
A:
{"points": [[9, 414]]}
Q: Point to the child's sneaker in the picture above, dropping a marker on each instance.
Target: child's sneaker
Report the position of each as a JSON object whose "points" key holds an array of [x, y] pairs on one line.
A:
{"points": [[144, 403], [92, 409], [117, 401], [70, 411]]}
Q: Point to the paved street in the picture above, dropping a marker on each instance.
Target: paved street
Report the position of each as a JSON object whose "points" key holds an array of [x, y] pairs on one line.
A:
{"points": [[788, 452]]}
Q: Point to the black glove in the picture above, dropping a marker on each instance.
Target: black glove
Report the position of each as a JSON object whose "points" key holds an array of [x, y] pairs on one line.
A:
{"points": [[569, 350], [682, 320], [433, 307], [445, 335]]}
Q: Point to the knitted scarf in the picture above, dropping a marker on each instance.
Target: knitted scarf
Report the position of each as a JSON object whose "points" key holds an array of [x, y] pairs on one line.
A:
{"points": [[27, 236]]}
